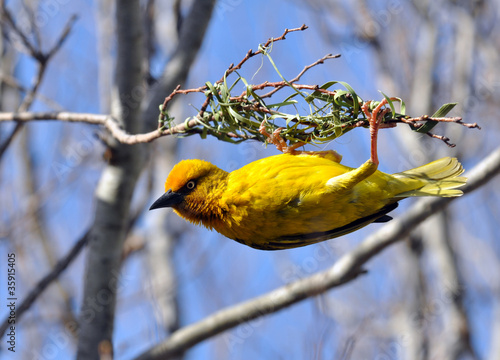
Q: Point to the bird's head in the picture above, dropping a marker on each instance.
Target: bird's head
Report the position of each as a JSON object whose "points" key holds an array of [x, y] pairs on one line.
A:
{"points": [[193, 189]]}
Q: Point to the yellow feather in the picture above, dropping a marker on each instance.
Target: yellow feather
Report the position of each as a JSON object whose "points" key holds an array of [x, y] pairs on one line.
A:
{"points": [[287, 201]]}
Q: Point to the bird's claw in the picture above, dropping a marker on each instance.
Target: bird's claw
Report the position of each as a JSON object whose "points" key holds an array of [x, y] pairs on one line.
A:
{"points": [[281, 145], [278, 141]]}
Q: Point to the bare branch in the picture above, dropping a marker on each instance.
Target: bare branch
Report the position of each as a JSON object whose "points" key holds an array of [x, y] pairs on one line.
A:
{"points": [[191, 35], [42, 59], [46, 281], [251, 53], [62, 38], [347, 268], [299, 75], [10, 137], [95, 119], [24, 38], [115, 188], [455, 119], [107, 121], [25, 105], [443, 138], [13, 83]]}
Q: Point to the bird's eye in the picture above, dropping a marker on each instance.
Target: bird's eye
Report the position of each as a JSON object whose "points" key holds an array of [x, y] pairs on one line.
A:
{"points": [[190, 185]]}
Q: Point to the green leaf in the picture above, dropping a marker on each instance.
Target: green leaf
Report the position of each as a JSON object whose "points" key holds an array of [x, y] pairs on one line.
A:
{"points": [[283, 103], [213, 90], [444, 110], [441, 112], [389, 101], [403, 106], [237, 117], [338, 125], [353, 94], [319, 95]]}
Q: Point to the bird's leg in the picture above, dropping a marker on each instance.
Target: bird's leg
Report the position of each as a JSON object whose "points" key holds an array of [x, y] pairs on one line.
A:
{"points": [[347, 181], [375, 119]]}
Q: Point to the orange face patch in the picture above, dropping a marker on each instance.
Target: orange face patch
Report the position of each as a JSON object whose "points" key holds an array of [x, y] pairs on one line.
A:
{"points": [[184, 171]]}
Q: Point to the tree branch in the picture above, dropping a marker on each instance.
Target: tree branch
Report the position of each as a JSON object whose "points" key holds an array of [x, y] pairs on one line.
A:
{"points": [[176, 71], [114, 191], [46, 281], [42, 59], [344, 270], [116, 186], [188, 127], [108, 121]]}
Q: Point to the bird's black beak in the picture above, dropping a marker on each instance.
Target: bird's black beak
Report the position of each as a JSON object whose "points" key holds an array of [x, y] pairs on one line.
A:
{"points": [[168, 199]]}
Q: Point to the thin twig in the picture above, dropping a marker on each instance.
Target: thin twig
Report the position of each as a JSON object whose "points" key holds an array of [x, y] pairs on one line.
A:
{"points": [[455, 119], [232, 69], [13, 83], [10, 137], [25, 105], [62, 37], [252, 53], [46, 281], [445, 139], [299, 75], [24, 38], [42, 59]]}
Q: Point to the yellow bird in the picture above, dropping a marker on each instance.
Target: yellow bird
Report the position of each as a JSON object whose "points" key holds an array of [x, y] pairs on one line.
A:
{"points": [[293, 200]]}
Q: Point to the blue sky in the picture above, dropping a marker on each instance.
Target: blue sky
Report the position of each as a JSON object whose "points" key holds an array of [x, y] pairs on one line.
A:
{"points": [[214, 272]]}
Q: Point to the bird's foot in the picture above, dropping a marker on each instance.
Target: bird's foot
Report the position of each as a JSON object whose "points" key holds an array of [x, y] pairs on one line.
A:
{"points": [[281, 145], [279, 142], [375, 118]]}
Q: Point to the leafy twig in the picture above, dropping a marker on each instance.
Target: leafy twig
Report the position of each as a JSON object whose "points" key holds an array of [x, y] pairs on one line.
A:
{"points": [[236, 118], [333, 112]]}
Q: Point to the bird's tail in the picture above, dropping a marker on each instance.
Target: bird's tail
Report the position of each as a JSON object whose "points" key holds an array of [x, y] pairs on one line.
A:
{"points": [[438, 178]]}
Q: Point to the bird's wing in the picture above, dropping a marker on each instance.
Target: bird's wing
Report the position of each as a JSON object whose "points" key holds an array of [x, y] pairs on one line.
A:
{"points": [[298, 240]]}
